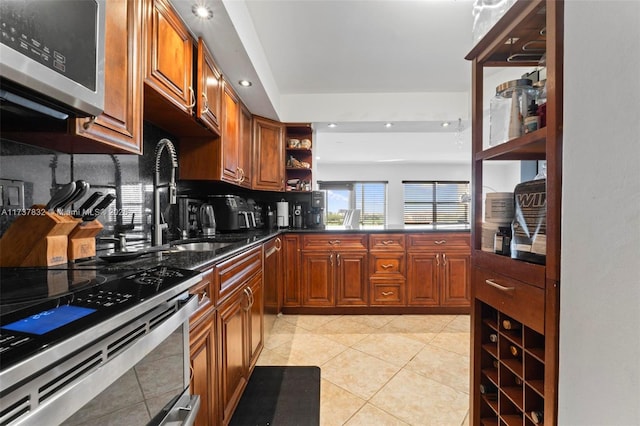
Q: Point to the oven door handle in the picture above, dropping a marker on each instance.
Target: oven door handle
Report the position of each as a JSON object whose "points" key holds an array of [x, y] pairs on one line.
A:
{"points": [[183, 412]]}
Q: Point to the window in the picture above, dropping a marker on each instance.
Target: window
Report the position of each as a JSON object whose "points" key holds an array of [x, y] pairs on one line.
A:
{"points": [[435, 202], [369, 197]]}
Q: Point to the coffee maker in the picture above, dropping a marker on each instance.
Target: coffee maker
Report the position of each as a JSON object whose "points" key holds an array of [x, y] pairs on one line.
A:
{"points": [[315, 212]]}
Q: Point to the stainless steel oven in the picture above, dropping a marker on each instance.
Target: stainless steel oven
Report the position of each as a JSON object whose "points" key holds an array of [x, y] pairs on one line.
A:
{"points": [[112, 353]]}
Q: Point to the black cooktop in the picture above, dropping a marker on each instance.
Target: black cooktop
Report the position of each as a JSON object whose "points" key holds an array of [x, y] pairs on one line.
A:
{"points": [[40, 307]]}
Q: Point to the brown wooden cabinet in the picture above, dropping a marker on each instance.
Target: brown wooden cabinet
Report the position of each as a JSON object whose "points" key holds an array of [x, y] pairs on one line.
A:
{"points": [[299, 157], [209, 89], [203, 351], [239, 290], [170, 57], [246, 156], [268, 155], [519, 364], [334, 270], [438, 272], [120, 125], [203, 348], [387, 269], [291, 292], [273, 275]]}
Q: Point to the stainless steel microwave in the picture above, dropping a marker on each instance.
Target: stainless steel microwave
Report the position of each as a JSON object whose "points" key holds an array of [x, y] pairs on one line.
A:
{"points": [[52, 54]]}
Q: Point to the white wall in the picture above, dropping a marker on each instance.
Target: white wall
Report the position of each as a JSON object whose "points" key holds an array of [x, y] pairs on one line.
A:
{"points": [[599, 380]]}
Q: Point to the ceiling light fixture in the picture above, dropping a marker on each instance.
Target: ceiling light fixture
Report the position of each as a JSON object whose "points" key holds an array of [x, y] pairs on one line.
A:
{"points": [[202, 11], [332, 125], [245, 83], [387, 125]]}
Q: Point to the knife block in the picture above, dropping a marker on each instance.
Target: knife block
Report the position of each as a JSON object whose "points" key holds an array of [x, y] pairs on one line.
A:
{"points": [[37, 238], [82, 240]]}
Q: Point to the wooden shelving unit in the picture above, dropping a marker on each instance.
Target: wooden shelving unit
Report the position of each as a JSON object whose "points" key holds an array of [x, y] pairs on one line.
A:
{"points": [[300, 132], [520, 365]]}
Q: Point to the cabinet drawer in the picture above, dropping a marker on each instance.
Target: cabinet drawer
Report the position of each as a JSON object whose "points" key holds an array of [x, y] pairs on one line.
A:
{"points": [[335, 242], [384, 264], [234, 272], [440, 241], [205, 294], [522, 302], [387, 292], [387, 242]]}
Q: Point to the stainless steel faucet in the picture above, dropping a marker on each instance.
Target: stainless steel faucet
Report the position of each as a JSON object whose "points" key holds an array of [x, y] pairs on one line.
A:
{"points": [[158, 220]]}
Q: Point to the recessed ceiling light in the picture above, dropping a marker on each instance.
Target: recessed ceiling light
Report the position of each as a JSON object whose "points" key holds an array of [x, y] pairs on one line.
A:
{"points": [[387, 125], [202, 11], [445, 124], [245, 83], [332, 125]]}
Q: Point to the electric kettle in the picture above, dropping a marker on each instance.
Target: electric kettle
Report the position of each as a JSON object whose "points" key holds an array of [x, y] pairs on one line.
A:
{"points": [[207, 219]]}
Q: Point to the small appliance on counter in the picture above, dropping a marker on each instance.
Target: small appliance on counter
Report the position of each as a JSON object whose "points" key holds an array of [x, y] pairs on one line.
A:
{"points": [[257, 213], [232, 213], [189, 221], [315, 214], [207, 219], [298, 215]]}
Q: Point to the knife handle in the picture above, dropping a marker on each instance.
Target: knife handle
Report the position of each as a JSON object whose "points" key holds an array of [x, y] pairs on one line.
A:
{"points": [[108, 199], [82, 210]]}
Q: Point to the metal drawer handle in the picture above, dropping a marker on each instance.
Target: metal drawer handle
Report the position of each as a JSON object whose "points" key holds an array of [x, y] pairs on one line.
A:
{"points": [[498, 286], [440, 242], [444, 258], [333, 242], [387, 242], [437, 259], [387, 293], [386, 266]]}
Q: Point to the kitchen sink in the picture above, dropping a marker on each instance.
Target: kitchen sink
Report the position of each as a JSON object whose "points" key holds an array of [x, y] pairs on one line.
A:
{"points": [[200, 246]]}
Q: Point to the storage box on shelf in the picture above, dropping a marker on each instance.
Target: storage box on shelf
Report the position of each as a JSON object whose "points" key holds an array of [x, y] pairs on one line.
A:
{"points": [[517, 368]]}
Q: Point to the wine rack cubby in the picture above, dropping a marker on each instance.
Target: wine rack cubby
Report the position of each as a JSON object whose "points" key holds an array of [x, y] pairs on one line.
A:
{"points": [[512, 371]]}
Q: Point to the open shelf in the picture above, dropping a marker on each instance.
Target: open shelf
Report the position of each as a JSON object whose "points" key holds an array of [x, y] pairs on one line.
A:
{"points": [[531, 146]]}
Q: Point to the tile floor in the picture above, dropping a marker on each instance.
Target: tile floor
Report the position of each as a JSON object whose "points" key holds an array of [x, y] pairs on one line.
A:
{"points": [[380, 369]]}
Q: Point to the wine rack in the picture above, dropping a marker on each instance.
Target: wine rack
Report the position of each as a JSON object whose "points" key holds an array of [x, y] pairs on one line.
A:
{"points": [[512, 370]]}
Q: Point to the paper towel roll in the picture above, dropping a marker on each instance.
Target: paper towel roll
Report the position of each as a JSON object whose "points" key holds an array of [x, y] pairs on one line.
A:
{"points": [[282, 214]]}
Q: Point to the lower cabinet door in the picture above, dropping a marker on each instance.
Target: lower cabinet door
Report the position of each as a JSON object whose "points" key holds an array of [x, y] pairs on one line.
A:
{"points": [[232, 319], [317, 278], [351, 280], [456, 279], [422, 279], [203, 366], [256, 323]]}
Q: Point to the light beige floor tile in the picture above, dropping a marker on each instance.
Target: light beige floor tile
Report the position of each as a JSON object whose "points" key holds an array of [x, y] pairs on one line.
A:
{"points": [[309, 349], [457, 342], [465, 422], [283, 332], [418, 400], [443, 366], [420, 337], [359, 373], [393, 348], [309, 322], [337, 405], [268, 357], [345, 330], [461, 323], [370, 415], [375, 321], [417, 324]]}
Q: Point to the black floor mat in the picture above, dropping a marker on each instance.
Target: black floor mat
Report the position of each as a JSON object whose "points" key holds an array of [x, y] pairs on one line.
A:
{"points": [[280, 396]]}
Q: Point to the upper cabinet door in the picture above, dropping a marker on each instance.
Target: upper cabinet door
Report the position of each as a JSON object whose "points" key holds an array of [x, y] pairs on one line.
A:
{"points": [[120, 125], [209, 90], [245, 160], [170, 57], [268, 155], [230, 135]]}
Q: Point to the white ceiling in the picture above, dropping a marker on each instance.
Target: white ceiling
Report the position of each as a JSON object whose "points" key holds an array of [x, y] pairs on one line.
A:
{"points": [[306, 57]]}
